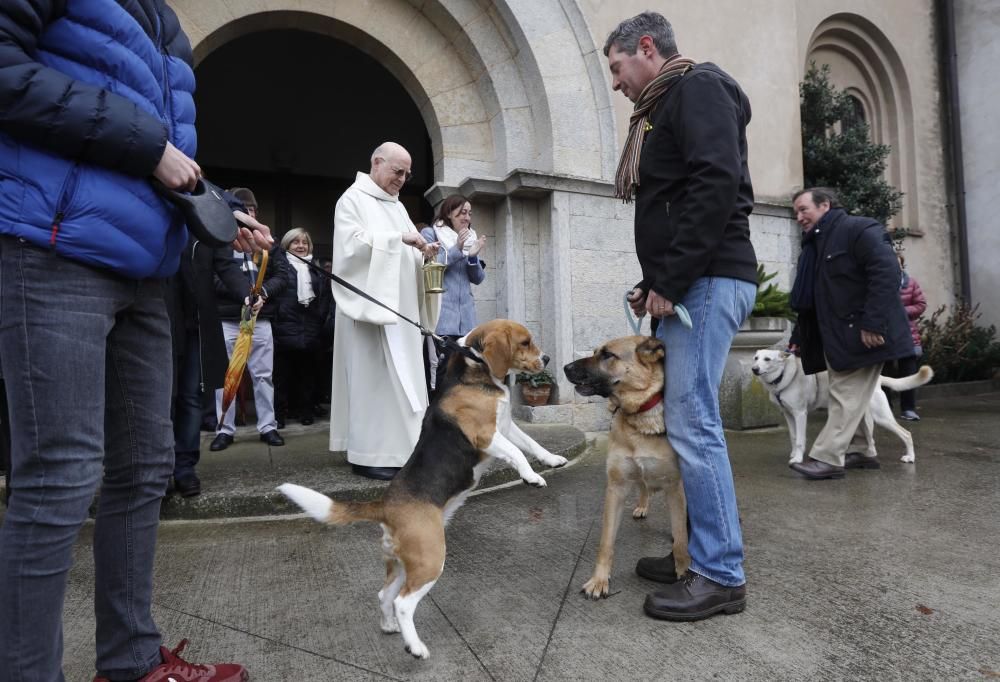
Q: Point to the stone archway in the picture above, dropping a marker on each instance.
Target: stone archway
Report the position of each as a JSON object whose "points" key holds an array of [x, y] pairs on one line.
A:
{"points": [[504, 86], [865, 64]]}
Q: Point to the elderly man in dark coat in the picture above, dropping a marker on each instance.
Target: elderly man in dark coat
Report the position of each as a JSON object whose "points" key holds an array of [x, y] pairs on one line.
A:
{"points": [[850, 320]]}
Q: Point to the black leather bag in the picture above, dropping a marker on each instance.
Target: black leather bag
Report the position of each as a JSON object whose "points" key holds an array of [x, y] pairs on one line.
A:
{"points": [[205, 210]]}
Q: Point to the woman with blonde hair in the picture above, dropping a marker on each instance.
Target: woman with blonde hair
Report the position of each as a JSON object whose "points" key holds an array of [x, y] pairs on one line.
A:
{"points": [[304, 310]]}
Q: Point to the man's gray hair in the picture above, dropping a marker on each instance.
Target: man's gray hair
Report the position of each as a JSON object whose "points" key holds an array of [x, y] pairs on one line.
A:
{"points": [[653, 24]]}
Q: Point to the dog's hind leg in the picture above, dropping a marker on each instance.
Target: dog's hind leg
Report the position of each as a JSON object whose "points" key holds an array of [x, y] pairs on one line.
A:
{"points": [[422, 551], [867, 427], [395, 574], [614, 506], [882, 415], [677, 504], [642, 509]]}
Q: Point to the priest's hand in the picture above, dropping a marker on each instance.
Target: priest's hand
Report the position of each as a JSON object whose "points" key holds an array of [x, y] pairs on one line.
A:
{"points": [[417, 241]]}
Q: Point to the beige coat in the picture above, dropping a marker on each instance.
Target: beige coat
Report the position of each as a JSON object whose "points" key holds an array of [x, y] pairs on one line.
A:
{"points": [[378, 398]]}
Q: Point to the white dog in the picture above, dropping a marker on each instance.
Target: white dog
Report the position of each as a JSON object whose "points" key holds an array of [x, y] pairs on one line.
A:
{"points": [[798, 394]]}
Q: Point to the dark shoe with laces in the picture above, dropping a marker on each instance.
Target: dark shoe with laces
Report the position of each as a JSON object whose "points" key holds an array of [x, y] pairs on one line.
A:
{"points": [[910, 416], [658, 569], [378, 473], [695, 597], [176, 669], [816, 470], [855, 460], [221, 442], [272, 438], [307, 419], [187, 485]]}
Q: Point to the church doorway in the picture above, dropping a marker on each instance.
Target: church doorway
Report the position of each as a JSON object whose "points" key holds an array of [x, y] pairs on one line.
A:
{"points": [[293, 115]]}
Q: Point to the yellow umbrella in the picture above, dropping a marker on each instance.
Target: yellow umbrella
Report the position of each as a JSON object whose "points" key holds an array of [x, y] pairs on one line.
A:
{"points": [[241, 349]]}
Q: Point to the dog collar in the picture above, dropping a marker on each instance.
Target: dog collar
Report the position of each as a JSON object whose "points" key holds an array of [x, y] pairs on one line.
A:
{"points": [[778, 380], [651, 403]]}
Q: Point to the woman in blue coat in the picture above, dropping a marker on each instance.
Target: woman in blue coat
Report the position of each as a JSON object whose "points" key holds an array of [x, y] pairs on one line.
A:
{"points": [[452, 229]]}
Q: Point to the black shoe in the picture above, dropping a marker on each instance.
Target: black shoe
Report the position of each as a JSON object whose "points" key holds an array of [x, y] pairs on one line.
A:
{"points": [[695, 597], [272, 438], [855, 460], [209, 424], [280, 422], [658, 569], [378, 473], [816, 470], [306, 420], [910, 416], [221, 442], [187, 485]]}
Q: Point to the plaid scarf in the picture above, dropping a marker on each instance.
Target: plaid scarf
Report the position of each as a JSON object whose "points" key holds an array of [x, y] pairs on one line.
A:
{"points": [[627, 177]]}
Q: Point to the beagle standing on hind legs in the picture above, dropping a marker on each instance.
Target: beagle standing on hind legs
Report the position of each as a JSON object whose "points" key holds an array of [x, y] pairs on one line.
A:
{"points": [[467, 426]]}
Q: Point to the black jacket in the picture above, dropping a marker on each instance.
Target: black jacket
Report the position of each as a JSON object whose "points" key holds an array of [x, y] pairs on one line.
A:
{"points": [[232, 284], [856, 287], [192, 306], [300, 327], [694, 197]]}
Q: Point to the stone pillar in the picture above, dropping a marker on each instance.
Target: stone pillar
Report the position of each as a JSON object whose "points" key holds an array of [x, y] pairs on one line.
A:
{"points": [[743, 401]]}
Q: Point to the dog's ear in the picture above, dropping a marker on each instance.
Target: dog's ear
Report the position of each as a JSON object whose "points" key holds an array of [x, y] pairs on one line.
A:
{"points": [[498, 351], [650, 350]]}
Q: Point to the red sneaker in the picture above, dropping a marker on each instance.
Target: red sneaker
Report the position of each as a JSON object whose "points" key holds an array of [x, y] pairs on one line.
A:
{"points": [[176, 669]]}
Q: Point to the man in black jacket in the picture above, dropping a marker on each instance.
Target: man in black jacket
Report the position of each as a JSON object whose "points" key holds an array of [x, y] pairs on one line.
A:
{"points": [[850, 321], [685, 163]]}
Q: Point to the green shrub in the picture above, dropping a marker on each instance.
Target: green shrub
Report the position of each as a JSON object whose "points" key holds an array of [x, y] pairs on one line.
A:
{"points": [[957, 348], [771, 301], [543, 378]]}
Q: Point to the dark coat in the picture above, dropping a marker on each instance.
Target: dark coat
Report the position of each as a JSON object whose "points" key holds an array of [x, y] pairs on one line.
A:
{"points": [[232, 284], [300, 327], [856, 287], [192, 305], [695, 197]]}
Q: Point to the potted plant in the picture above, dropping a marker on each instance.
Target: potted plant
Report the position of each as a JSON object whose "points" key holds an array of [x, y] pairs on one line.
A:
{"points": [[535, 388]]}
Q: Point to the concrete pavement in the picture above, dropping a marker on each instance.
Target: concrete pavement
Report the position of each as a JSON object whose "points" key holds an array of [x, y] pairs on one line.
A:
{"points": [[891, 574]]}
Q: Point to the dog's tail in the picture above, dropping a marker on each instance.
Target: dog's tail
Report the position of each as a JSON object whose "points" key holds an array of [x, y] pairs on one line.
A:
{"points": [[923, 375], [326, 510]]}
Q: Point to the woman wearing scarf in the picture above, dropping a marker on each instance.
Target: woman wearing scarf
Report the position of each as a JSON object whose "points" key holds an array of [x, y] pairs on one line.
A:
{"points": [[452, 230], [303, 312]]}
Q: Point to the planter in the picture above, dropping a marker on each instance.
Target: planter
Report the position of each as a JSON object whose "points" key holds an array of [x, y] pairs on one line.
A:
{"points": [[743, 401], [535, 395]]}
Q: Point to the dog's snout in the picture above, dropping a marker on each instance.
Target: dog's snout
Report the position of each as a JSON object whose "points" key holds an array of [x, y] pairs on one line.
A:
{"points": [[545, 360]]}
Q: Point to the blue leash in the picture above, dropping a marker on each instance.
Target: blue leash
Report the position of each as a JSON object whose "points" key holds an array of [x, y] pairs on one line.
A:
{"points": [[635, 323]]}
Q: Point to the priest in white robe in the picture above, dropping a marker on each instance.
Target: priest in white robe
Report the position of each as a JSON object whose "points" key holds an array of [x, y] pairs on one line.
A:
{"points": [[379, 396]]}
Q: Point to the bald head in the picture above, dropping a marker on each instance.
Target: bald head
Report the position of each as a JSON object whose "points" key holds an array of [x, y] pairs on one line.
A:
{"points": [[390, 167]]}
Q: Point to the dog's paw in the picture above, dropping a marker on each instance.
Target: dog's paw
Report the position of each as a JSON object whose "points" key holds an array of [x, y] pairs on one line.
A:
{"points": [[795, 459], [640, 511], [555, 461], [909, 459], [534, 480], [390, 626], [418, 650], [596, 588]]}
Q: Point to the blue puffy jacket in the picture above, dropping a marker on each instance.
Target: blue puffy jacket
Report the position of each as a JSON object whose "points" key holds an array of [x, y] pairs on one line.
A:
{"points": [[90, 93]]}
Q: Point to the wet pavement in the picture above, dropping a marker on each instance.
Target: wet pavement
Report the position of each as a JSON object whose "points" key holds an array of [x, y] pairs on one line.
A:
{"points": [[885, 575]]}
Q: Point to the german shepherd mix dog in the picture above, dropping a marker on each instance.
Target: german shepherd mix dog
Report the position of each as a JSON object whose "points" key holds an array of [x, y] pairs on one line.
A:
{"points": [[467, 425], [629, 373], [798, 394]]}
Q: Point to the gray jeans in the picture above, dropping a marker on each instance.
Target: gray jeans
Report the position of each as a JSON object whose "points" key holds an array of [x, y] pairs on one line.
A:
{"points": [[86, 357]]}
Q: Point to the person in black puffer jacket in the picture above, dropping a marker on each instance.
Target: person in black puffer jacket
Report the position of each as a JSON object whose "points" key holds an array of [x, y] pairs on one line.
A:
{"points": [[300, 331]]}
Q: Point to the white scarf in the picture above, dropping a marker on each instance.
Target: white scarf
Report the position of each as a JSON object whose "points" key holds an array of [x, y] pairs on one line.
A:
{"points": [[304, 285], [449, 238]]}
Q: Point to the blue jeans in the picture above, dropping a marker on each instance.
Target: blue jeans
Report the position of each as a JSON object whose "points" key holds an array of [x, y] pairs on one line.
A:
{"points": [[86, 356], [694, 363]]}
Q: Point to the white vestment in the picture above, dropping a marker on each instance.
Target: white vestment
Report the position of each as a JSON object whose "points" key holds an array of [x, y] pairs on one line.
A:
{"points": [[379, 397]]}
